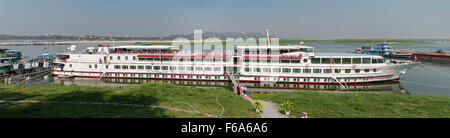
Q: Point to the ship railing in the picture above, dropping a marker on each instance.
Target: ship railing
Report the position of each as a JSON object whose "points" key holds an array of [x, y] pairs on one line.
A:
{"points": [[4, 64]]}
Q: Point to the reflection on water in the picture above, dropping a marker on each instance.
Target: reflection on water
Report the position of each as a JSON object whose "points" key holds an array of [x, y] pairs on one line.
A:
{"points": [[389, 87]]}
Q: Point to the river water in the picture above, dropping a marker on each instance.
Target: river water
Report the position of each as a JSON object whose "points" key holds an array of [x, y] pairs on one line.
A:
{"points": [[428, 78]]}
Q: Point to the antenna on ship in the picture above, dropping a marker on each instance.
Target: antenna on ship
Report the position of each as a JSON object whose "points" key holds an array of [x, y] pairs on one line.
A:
{"points": [[269, 38]]}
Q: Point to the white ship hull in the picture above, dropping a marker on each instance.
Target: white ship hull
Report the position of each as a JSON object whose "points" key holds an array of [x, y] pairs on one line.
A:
{"points": [[95, 66]]}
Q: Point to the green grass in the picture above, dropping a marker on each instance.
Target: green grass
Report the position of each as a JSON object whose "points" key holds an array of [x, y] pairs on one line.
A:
{"points": [[362, 105], [151, 94]]}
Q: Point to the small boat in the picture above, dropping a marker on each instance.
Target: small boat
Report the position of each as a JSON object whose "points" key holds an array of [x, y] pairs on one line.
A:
{"points": [[382, 49]]}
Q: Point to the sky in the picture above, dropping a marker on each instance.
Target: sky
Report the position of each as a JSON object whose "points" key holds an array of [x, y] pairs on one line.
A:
{"points": [[302, 19]]}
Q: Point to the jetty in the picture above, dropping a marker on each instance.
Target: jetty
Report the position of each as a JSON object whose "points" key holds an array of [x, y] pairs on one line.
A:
{"points": [[428, 55]]}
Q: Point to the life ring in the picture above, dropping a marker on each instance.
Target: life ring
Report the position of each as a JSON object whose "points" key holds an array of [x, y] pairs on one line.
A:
{"points": [[307, 65], [152, 63], [109, 62], [247, 64], [354, 66]]}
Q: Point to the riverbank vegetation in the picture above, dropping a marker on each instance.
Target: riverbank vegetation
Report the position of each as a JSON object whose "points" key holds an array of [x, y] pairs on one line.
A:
{"points": [[361, 105], [149, 100]]}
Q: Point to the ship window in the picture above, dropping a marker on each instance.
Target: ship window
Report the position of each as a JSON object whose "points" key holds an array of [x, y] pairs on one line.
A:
{"points": [[306, 70], [326, 60], [366, 70], [317, 70], [156, 67], [132, 67], [208, 69], [366, 60], [337, 70], [157, 59], [118, 57], [95, 65], [357, 70], [294, 61], [166, 59], [380, 60], [208, 60], [256, 69], [134, 58], [276, 69], [246, 60], [267, 70], [297, 70], [116, 66], [285, 61], [356, 61], [173, 68], [336, 61], [90, 66], [217, 68], [247, 69], [165, 67], [305, 60], [286, 70], [149, 59], [315, 61], [142, 59], [124, 66], [327, 70], [198, 68], [348, 70], [374, 61], [140, 67], [374, 70], [70, 65], [346, 60], [181, 68], [190, 68], [126, 57], [148, 67], [110, 58]]}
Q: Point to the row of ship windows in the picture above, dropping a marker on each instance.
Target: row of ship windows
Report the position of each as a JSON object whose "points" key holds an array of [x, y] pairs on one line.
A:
{"points": [[325, 61], [118, 58], [141, 67], [225, 77], [299, 70], [267, 70], [313, 60]]}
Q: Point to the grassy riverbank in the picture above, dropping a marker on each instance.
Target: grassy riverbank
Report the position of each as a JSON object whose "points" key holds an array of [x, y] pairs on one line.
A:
{"points": [[362, 105], [145, 100]]}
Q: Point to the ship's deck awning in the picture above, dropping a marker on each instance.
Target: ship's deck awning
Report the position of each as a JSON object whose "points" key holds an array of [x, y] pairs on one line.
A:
{"points": [[273, 47], [152, 47], [343, 55]]}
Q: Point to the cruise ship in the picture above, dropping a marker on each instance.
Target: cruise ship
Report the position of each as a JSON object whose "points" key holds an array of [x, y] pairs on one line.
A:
{"points": [[265, 64]]}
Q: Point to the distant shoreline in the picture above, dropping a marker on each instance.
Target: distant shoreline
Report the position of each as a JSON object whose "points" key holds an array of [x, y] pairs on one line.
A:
{"points": [[83, 42], [169, 42]]}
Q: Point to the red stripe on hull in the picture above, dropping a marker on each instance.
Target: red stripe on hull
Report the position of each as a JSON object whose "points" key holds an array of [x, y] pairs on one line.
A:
{"points": [[258, 81], [226, 75]]}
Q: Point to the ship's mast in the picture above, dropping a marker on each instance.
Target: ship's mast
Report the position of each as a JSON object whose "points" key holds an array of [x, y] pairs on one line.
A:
{"points": [[268, 37]]}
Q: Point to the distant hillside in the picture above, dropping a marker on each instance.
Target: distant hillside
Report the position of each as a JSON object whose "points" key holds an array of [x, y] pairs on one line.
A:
{"points": [[55, 37]]}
